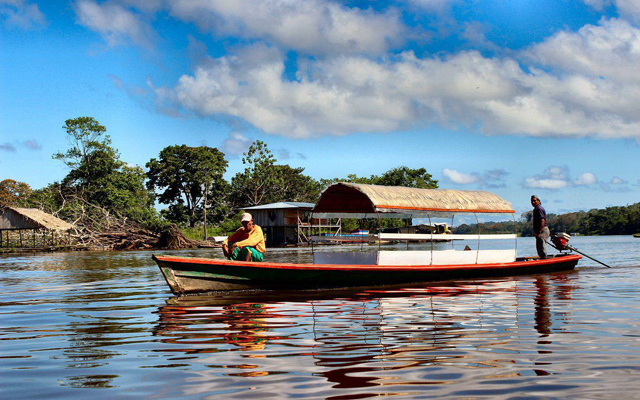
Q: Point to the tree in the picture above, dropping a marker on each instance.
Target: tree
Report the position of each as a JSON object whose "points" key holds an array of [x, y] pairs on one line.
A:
{"points": [[407, 177], [98, 179], [399, 176], [264, 181], [14, 193], [189, 178], [257, 182]]}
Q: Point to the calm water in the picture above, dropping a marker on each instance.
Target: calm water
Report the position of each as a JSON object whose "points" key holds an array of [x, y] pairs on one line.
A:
{"points": [[105, 325]]}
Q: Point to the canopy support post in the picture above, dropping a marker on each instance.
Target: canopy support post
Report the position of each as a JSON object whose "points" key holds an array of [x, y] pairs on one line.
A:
{"points": [[361, 235], [452, 215], [379, 232], [515, 231], [311, 232], [478, 225], [431, 231]]}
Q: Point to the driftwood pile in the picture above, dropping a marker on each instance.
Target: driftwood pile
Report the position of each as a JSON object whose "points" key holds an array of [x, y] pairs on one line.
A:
{"points": [[95, 227], [131, 237]]}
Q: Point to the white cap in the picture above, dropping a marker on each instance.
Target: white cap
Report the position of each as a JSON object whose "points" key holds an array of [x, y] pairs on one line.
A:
{"points": [[246, 217]]}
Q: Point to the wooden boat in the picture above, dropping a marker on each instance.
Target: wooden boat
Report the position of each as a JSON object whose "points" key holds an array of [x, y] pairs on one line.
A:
{"points": [[331, 269], [192, 275]]}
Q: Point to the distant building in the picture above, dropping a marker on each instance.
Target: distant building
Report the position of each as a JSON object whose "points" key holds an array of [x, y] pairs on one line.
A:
{"points": [[289, 222], [31, 228], [435, 229]]}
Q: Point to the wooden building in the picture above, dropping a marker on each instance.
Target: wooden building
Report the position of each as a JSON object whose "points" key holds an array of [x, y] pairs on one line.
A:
{"points": [[290, 223], [32, 229]]}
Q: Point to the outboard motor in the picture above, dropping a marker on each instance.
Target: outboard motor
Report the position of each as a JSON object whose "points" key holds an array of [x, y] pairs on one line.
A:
{"points": [[561, 241]]}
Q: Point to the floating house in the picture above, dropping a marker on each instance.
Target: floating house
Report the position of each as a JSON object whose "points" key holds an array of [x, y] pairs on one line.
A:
{"points": [[290, 223], [32, 229]]}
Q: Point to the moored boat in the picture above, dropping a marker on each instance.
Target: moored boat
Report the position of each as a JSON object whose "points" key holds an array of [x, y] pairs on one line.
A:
{"points": [[332, 269], [193, 275]]}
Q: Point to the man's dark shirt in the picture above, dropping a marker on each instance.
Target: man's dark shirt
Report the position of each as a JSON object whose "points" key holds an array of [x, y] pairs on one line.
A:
{"points": [[538, 215]]}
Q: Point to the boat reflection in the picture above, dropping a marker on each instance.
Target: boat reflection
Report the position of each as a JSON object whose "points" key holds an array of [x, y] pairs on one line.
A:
{"points": [[430, 334]]}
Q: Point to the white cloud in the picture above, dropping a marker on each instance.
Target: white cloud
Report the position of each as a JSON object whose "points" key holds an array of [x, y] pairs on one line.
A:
{"points": [[347, 94], [559, 177], [489, 179], [585, 179], [459, 178], [618, 181], [21, 14], [616, 185], [609, 50], [553, 178], [115, 23], [545, 183], [310, 26], [234, 145], [629, 9]]}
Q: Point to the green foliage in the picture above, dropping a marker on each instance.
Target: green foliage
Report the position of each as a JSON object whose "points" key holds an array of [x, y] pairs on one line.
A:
{"points": [[224, 228], [399, 176], [623, 220], [408, 177], [263, 181], [86, 136], [189, 178], [99, 183], [259, 179], [14, 193]]}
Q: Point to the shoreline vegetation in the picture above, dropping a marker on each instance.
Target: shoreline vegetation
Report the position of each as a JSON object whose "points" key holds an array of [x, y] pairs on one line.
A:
{"points": [[112, 204]]}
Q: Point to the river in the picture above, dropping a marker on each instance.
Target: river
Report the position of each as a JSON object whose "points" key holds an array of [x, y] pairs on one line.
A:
{"points": [[105, 325]]}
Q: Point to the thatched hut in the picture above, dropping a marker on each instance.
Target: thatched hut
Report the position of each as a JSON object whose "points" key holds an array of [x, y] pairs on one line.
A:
{"points": [[32, 228]]}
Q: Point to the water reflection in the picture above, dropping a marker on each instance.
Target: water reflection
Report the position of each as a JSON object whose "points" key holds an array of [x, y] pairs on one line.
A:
{"points": [[387, 338], [105, 325]]}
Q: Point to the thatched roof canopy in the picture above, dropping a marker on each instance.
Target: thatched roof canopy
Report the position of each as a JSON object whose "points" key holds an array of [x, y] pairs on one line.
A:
{"points": [[345, 198], [30, 218]]}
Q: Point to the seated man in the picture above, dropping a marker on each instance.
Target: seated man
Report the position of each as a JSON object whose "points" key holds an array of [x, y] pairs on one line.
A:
{"points": [[247, 243]]}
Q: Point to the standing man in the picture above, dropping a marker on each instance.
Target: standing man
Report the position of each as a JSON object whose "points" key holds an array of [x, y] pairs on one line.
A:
{"points": [[247, 243], [540, 229]]}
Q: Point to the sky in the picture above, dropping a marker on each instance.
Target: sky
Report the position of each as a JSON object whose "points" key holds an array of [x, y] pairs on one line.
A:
{"points": [[516, 97]]}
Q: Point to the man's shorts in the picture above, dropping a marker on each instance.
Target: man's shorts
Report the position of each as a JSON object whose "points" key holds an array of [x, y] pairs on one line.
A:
{"points": [[240, 254]]}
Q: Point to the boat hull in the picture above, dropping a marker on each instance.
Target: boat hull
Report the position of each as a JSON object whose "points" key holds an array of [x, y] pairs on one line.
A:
{"points": [[194, 275]]}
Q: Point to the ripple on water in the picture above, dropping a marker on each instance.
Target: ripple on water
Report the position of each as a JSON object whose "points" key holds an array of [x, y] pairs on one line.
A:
{"points": [[105, 325]]}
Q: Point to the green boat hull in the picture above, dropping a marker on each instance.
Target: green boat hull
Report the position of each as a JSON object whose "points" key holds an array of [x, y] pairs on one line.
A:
{"points": [[194, 275]]}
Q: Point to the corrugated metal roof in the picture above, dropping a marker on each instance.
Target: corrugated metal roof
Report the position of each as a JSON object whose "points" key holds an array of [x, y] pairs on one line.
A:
{"points": [[348, 197], [282, 205], [31, 218]]}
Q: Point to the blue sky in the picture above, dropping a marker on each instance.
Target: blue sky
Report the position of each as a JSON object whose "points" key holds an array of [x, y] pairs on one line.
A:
{"points": [[515, 97]]}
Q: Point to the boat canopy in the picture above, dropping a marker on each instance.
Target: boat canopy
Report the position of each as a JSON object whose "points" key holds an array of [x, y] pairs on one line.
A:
{"points": [[346, 199]]}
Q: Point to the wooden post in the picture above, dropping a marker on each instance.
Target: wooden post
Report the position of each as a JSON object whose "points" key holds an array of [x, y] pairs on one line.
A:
{"points": [[34, 238], [206, 189]]}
